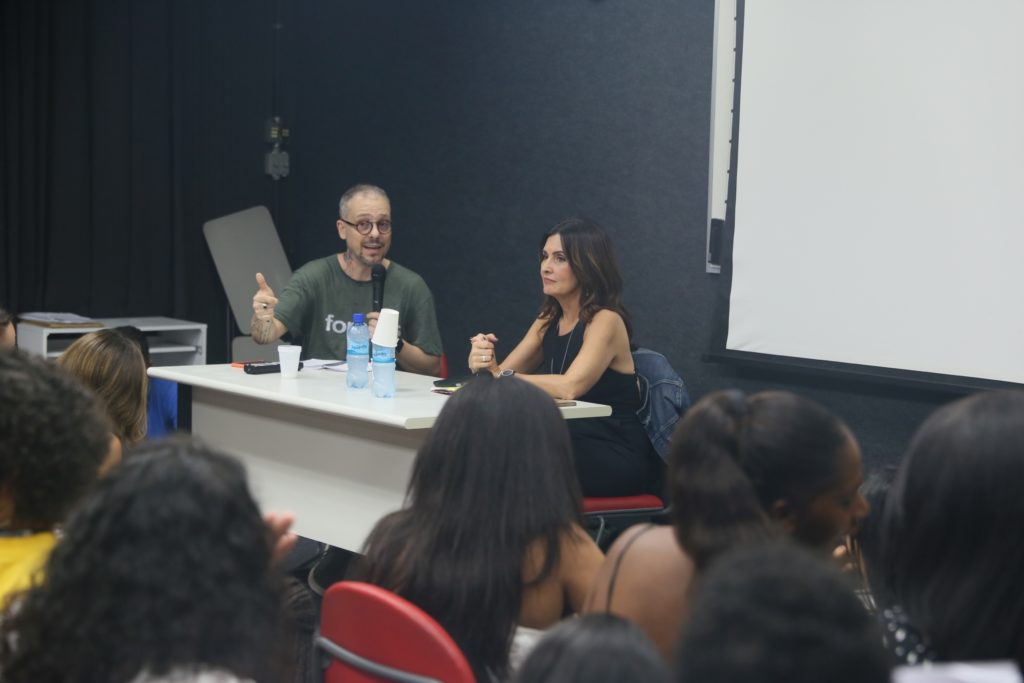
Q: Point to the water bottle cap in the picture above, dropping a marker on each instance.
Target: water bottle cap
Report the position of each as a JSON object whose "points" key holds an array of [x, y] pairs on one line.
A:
{"points": [[358, 318]]}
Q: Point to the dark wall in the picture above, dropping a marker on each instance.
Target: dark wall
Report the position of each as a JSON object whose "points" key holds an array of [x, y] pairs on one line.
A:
{"points": [[486, 122]]}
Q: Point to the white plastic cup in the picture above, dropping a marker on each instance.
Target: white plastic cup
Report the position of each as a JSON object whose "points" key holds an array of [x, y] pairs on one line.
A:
{"points": [[386, 332], [289, 357]]}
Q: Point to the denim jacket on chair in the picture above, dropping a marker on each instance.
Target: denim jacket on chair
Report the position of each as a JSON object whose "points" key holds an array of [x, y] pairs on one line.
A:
{"points": [[663, 398]]}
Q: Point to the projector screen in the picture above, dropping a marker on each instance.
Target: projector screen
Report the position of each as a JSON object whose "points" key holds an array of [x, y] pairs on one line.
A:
{"points": [[878, 185]]}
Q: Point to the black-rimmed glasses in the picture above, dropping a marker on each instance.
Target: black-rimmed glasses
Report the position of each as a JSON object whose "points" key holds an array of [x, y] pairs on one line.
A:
{"points": [[364, 227]]}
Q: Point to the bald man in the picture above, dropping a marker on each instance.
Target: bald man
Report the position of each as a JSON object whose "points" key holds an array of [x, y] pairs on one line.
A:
{"points": [[315, 309]]}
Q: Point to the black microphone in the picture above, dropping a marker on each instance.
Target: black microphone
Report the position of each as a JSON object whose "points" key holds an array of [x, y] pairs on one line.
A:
{"points": [[378, 274]]}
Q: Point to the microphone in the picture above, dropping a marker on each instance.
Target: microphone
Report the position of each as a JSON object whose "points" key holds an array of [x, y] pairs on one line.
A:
{"points": [[378, 274]]}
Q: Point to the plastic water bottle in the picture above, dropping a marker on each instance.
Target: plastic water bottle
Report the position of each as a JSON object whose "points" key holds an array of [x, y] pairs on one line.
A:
{"points": [[383, 371], [358, 354]]}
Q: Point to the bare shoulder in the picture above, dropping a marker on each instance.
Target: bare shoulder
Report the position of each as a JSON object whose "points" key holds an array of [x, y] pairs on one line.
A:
{"points": [[537, 328], [651, 551], [607, 327], [607, 318], [577, 543], [576, 551]]}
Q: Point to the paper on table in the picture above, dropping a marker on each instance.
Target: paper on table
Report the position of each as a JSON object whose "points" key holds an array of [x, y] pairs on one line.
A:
{"points": [[58, 319], [321, 364]]}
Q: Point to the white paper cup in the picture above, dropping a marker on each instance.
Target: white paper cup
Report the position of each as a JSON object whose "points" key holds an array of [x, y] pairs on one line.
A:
{"points": [[289, 357], [386, 332]]}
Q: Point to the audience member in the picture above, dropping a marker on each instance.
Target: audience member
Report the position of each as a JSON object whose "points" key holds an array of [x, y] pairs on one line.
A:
{"points": [[489, 542], [161, 395], [52, 440], [951, 561], [773, 613], [863, 544], [8, 331], [165, 574], [597, 648], [111, 364], [579, 347], [316, 307], [742, 468]]}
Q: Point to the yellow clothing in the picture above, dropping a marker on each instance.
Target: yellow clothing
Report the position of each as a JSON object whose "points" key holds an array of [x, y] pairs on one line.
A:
{"points": [[21, 562]]}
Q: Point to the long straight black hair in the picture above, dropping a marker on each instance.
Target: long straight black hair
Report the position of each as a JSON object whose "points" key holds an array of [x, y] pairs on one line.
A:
{"points": [[951, 555], [734, 455], [494, 477]]}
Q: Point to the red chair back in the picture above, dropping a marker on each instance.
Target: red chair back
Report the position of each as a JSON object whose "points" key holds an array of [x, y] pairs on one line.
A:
{"points": [[398, 640], [624, 504]]}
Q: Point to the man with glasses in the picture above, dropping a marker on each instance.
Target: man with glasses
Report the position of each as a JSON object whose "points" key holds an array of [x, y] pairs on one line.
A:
{"points": [[316, 307]]}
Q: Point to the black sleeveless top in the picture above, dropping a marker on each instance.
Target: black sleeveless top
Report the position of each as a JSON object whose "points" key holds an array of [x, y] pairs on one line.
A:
{"points": [[612, 455], [613, 388]]}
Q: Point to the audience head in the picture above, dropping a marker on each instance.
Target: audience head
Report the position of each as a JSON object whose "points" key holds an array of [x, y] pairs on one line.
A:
{"points": [[950, 551], [8, 332], [772, 612], [360, 204], [865, 542], [53, 438], [140, 339], [743, 466], [361, 188], [168, 565], [596, 648], [592, 260], [493, 478], [111, 364]]}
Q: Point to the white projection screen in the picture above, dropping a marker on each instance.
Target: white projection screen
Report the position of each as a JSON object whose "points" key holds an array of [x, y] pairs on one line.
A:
{"points": [[878, 203]]}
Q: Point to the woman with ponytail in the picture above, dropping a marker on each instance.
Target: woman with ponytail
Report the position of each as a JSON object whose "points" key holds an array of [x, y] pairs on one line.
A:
{"points": [[742, 468]]}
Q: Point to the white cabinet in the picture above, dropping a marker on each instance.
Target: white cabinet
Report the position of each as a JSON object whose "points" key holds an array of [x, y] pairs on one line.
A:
{"points": [[171, 341]]}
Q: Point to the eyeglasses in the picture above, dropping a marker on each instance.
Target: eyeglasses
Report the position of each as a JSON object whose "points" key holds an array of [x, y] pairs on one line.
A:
{"points": [[364, 227]]}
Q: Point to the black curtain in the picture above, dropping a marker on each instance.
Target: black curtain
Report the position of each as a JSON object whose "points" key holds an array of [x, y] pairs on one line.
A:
{"points": [[91, 158]]}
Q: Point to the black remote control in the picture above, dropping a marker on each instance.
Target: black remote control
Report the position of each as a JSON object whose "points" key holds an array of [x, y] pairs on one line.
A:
{"points": [[263, 367]]}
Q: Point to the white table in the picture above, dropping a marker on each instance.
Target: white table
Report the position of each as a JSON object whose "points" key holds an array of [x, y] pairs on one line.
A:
{"points": [[337, 457]]}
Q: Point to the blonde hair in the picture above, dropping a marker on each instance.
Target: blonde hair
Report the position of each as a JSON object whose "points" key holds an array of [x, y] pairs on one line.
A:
{"points": [[111, 364]]}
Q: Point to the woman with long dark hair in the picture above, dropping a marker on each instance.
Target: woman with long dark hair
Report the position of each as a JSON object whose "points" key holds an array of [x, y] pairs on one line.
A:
{"points": [[743, 468], [489, 541], [951, 559], [579, 347], [164, 574]]}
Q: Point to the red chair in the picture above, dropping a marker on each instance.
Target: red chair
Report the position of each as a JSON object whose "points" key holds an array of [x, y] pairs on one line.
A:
{"points": [[371, 635], [626, 509]]}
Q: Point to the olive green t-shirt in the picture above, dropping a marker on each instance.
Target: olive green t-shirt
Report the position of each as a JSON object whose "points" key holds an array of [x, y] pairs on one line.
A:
{"points": [[318, 303]]}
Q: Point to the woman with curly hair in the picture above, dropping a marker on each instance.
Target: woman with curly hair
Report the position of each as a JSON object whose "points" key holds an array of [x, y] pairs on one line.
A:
{"points": [[489, 542], [579, 346], [53, 438], [165, 574], [111, 364]]}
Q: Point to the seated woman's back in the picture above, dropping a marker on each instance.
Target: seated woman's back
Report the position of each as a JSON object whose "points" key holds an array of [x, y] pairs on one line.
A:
{"points": [[741, 468], [490, 537]]}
